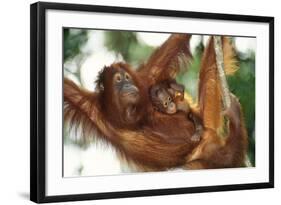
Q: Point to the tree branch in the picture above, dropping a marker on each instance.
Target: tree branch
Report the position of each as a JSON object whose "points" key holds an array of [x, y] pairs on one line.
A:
{"points": [[220, 64]]}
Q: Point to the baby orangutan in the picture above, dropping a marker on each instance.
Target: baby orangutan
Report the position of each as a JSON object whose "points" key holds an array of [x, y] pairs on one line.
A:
{"points": [[168, 97]]}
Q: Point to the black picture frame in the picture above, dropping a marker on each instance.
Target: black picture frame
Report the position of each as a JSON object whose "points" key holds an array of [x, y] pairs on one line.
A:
{"points": [[38, 100]]}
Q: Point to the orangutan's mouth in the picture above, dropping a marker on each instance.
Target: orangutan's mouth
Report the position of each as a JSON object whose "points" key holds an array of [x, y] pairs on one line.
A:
{"points": [[130, 94], [131, 110], [131, 113]]}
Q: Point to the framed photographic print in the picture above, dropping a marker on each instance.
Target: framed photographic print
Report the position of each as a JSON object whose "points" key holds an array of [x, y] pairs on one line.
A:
{"points": [[129, 102]]}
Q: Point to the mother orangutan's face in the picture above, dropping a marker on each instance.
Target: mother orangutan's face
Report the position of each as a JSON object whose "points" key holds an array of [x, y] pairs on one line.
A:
{"points": [[126, 93]]}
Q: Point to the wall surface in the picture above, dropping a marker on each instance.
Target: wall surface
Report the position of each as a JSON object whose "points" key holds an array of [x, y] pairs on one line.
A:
{"points": [[14, 101]]}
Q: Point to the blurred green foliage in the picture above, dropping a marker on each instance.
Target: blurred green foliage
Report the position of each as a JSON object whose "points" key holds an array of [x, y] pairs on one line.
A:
{"points": [[127, 44], [242, 84], [74, 39], [135, 52]]}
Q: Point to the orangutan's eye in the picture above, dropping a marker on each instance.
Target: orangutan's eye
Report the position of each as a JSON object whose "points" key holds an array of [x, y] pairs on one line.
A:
{"points": [[169, 99], [165, 104], [127, 76], [118, 77]]}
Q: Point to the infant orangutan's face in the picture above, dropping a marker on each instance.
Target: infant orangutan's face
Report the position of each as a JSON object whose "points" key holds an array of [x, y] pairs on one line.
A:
{"points": [[165, 103]]}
